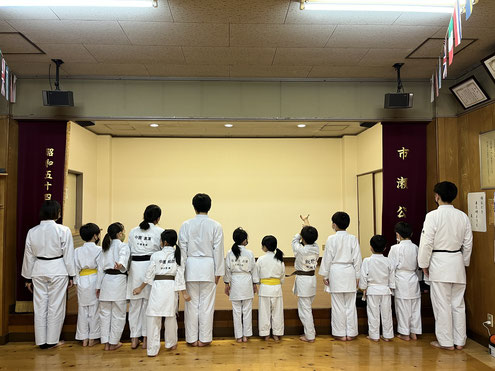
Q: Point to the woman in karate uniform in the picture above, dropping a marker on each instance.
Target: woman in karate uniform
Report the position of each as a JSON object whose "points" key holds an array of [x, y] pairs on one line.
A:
{"points": [[143, 241], [239, 284], [165, 275], [111, 286]]}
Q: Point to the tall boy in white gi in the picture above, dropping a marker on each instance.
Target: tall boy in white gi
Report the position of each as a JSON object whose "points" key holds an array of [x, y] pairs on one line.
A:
{"points": [[201, 243], [444, 252]]}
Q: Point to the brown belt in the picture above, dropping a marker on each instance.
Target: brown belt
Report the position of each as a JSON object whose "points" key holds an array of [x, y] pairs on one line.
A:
{"points": [[301, 273], [164, 278]]}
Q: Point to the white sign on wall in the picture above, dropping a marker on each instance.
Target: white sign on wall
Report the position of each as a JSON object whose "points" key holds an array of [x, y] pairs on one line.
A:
{"points": [[477, 211]]}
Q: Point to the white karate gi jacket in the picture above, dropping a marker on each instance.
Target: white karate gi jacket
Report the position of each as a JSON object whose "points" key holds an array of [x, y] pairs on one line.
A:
{"points": [[201, 241], [113, 286], [404, 257], [446, 228], [163, 297], [239, 274], [377, 275], [49, 240], [141, 242], [86, 257], [267, 266], [341, 262], [306, 260]]}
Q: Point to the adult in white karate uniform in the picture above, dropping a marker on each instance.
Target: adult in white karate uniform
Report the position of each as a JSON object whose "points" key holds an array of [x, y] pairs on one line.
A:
{"points": [[86, 261], [201, 242], [48, 267], [306, 252], [407, 293], [270, 270], [111, 285], [340, 268], [239, 284], [144, 240], [444, 252], [165, 275], [378, 279]]}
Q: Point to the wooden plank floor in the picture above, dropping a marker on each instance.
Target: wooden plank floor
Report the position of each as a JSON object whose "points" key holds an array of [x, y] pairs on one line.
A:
{"points": [[226, 354]]}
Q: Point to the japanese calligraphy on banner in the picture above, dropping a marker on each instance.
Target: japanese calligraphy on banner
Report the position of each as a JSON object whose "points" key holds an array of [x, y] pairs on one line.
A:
{"points": [[404, 177], [41, 176], [477, 211], [487, 159]]}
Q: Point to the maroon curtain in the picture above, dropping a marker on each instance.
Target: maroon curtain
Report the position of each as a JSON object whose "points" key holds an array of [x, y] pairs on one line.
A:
{"points": [[404, 177], [41, 175]]}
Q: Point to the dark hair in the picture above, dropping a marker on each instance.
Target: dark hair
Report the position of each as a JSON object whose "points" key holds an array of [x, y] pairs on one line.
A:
{"points": [[309, 234], [270, 242], [50, 210], [239, 236], [403, 229], [201, 203], [446, 190], [112, 231], [87, 231], [378, 243], [151, 214], [341, 219], [170, 237]]}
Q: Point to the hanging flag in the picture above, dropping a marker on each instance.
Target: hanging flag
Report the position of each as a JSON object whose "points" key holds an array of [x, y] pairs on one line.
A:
{"points": [[436, 84], [469, 8], [457, 23], [439, 73], [3, 77], [14, 88], [445, 58], [450, 32], [432, 95], [7, 84]]}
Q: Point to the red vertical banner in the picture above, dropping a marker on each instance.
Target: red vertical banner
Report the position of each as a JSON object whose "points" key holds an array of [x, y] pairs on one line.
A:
{"points": [[41, 176], [404, 177]]}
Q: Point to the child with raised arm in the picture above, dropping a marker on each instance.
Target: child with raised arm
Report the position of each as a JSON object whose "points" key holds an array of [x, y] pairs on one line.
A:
{"points": [[377, 280], [306, 252], [86, 262], [165, 275], [340, 268], [239, 284], [270, 270]]}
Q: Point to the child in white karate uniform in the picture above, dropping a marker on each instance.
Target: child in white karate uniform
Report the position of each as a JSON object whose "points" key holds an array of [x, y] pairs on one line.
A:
{"points": [[270, 270], [111, 285], [165, 275], [377, 280], [407, 294], [306, 252], [86, 261], [340, 268], [239, 284]]}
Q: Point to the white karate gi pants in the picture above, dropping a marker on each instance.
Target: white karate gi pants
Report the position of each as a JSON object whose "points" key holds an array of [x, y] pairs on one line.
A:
{"points": [[137, 317], [242, 315], [112, 320], [49, 300], [271, 316], [408, 313], [306, 316], [376, 306], [344, 314], [88, 322], [447, 300], [198, 313], [154, 327]]}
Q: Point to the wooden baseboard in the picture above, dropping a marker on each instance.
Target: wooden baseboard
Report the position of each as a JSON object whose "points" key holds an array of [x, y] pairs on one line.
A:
{"points": [[4, 339]]}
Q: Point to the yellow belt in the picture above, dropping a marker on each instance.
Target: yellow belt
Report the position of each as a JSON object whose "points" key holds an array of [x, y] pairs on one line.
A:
{"points": [[87, 272], [270, 281]]}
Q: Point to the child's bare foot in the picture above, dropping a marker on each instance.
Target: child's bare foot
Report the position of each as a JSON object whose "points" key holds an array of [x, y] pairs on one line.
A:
{"points": [[276, 338], [403, 337], [459, 347], [172, 347], [93, 342], [340, 338], [436, 344], [413, 336], [85, 342], [201, 344], [305, 339], [59, 344], [115, 347], [239, 340], [145, 343], [107, 346], [351, 338], [266, 338], [375, 340], [134, 343], [244, 339], [386, 339], [195, 344], [151, 355]]}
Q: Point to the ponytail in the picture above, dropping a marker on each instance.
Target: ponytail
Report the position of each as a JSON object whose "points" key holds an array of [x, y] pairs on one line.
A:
{"points": [[170, 237], [270, 242], [105, 245], [239, 236], [151, 214], [112, 231], [279, 255], [177, 254]]}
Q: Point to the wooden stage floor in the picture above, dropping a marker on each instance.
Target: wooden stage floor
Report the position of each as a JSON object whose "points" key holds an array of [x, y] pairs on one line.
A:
{"points": [[226, 354]]}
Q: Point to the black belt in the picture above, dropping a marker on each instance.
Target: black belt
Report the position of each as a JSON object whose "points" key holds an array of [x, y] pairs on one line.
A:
{"points": [[45, 258], [301, 273], [449, 251], [141, 258], [114, 271], [164, 278]]}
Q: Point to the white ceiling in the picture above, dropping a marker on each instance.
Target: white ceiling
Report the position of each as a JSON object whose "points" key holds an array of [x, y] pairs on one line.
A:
{"points": [[233, 39]]}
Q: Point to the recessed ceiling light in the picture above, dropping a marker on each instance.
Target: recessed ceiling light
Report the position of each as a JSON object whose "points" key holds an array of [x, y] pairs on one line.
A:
{"points": [[301, 125], [154, 125], [228, 125]]}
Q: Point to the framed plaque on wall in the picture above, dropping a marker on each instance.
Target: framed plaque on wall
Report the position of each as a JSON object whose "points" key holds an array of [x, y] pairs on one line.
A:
{"points": [[487, 159]]}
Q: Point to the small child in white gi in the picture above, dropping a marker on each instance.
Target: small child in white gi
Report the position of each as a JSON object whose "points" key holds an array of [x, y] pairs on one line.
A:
{"points": [[239, 284], [165, 275], [111, 285], [377, 280], [340, 268], [86, 262], [407, 294], [270, 270], [306, 252]]}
